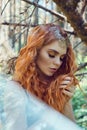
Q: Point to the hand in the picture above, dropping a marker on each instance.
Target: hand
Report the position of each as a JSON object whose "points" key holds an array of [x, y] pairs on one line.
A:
{"points": [[66, 86]]}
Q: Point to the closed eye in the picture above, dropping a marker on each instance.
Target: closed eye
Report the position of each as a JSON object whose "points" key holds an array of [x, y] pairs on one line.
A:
{"points": [[52, 56]]}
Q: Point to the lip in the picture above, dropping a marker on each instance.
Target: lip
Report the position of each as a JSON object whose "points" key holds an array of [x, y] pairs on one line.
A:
{"points": [[53, 70]]}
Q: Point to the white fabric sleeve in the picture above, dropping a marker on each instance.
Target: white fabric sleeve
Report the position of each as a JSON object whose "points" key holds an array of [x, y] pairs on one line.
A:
{"points": [[19, 110]]}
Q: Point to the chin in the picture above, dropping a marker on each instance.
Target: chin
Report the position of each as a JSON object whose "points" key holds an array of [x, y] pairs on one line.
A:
{"points": [[50, 75]]}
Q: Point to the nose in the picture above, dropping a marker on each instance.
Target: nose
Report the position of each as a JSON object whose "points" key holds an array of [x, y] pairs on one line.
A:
{"points": [[57, 62]]}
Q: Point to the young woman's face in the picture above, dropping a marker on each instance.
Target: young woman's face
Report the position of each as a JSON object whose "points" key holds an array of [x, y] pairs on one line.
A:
{"points": [[51, 57]]}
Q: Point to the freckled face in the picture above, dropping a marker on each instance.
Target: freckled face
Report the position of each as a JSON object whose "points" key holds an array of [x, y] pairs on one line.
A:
{"points": [[51, 57]]}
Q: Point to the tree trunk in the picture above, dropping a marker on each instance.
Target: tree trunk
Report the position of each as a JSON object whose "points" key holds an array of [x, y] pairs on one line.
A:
{"points": [[69, 8]]}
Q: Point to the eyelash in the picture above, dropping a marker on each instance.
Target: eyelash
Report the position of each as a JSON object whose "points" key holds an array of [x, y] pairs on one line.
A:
{"points": [[52, 56]]}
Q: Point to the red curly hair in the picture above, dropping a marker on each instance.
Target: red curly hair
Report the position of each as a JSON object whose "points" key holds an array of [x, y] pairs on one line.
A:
{"points": [[26, 70]]}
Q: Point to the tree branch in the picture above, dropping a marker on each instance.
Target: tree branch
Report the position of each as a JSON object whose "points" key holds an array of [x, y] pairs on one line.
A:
{"points": [[17, 24], [82, 66], [5, 6], [27, 25], [81, 74], [60, 16], [68, 7], [84, 4]]}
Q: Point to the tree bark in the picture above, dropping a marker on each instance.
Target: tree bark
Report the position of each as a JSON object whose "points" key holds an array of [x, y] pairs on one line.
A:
{"points": [[69, 8]]}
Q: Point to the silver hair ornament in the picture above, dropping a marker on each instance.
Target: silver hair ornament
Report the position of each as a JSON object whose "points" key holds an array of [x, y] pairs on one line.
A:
{"points": [[56, 32]]}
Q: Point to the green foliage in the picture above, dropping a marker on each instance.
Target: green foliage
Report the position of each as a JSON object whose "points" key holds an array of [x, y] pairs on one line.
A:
{"points": [[79, 102]]}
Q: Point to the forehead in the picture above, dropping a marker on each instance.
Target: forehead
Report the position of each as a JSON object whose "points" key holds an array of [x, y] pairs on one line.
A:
{"points": [[58, 46]]}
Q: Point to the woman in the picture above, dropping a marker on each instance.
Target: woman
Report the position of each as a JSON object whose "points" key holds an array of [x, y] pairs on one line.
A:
{"points": [[46, 66]]}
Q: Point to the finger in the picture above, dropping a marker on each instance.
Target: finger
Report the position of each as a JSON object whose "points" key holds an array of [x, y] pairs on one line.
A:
{"points": [[62, 86], [71, 89], [65, 82], [67, 93], [68, 78], [68, 89]]}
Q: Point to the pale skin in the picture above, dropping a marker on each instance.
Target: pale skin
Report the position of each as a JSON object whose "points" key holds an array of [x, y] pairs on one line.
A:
{"points": [[49, 61]]}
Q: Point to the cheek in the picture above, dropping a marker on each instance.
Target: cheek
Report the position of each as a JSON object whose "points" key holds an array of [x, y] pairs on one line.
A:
{"points": [[43, 58]]}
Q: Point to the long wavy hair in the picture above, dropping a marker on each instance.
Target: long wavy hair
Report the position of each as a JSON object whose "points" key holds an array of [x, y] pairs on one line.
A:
{"points": [[26, 70]]}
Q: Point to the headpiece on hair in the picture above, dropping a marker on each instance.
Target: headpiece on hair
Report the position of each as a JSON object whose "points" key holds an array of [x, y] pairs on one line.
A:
{"points": [[56, 32]]}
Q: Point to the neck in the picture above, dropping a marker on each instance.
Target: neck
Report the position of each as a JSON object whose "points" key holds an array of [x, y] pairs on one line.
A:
{"points": [[42, 77]]}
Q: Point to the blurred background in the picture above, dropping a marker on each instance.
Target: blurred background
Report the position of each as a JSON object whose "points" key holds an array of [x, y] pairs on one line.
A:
{"points": [[18, 17]]}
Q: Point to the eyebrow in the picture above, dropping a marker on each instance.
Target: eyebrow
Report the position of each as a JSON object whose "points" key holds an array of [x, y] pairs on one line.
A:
{"points": [[56, 51]]}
